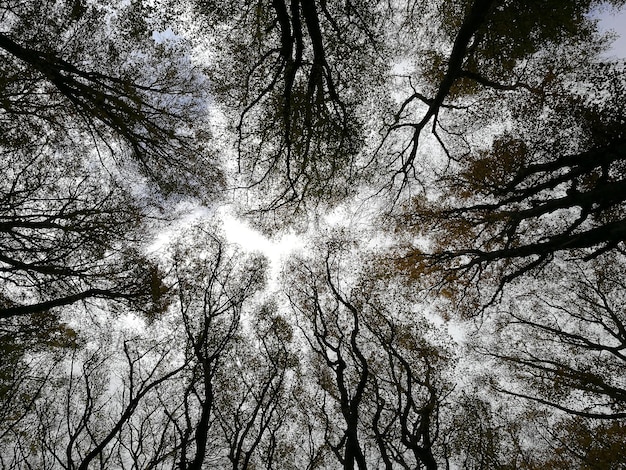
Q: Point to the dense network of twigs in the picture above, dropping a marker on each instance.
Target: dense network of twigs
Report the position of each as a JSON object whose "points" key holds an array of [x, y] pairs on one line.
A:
{"points": [[482, 327]]}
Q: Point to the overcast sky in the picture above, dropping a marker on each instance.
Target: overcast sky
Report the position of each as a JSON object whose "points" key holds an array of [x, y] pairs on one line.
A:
{"points": [[615, 21]]}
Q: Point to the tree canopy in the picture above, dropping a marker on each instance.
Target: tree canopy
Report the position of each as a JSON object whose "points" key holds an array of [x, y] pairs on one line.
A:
{"points": [[455, 169]]}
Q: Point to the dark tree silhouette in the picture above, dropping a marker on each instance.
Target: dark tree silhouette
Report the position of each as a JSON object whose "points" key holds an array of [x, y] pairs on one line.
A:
{"points": [[380, 377], [82, 111], [295, 78]]}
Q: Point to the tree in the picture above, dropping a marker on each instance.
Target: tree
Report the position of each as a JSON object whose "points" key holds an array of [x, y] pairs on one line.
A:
{"points": [[547, 188], [537, 199], [492, 133], [32, 349], [295, 80], [65, 236], [189, 387], [513, 435], [566, 342], [381, 376], [587, 444], [253, 406], [87, 403], [489, 50], [343, 368], [94, 70], [83, 108], [551, 356], [484, 435], [212, 284]]}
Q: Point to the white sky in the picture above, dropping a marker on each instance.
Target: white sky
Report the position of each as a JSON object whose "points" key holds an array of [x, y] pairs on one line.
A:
{"points": [[276, 250], [615, 21], [237, 231]]}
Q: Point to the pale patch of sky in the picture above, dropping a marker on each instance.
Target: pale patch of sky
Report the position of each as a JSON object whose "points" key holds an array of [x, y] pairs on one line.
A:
{"points": [[159, 37], [613, 20], [275, 249], [238, 232]]}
